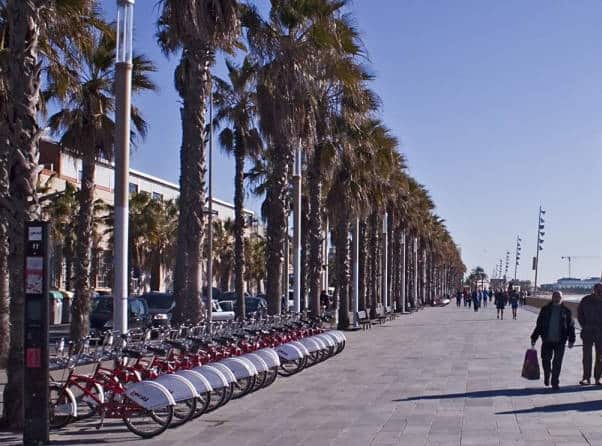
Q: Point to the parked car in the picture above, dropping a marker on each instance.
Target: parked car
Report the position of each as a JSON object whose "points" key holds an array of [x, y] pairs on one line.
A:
{"points": [[218, 313], [101, 315], [228, 295], [160, 306], [253, 304], [227, 305]]}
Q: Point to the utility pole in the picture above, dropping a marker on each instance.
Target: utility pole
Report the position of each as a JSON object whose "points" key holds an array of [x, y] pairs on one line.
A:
{"points": [[297, 229], [210, 216], [540, 234], [123, 97], [403, 272], [517, 255]]}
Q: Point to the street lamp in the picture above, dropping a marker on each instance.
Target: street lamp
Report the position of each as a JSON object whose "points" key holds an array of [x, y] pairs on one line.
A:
{"points": [[540, 234], [123, 95]]}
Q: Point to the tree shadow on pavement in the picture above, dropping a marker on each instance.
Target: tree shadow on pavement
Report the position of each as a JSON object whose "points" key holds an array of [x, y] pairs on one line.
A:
{"points": [[501, 392], [581, 406]]}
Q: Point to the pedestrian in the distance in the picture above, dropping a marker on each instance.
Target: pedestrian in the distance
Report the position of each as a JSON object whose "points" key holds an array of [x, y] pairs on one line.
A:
{"points": [[513, 302], [475, 300], [500, 303], [555, 326], [458, 298], [485, 297], [589, 314]]}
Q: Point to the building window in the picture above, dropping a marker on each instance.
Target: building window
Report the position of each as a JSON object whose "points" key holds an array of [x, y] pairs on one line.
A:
{"points": [[133, 188], [157, 196]]}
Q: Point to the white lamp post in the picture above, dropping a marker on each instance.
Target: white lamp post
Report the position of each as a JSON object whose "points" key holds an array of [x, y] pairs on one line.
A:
{"points": [[297, 230], [123, 94]]}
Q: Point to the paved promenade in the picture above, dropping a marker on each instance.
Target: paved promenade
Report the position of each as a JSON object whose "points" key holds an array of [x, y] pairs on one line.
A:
{"points": [[441, 376]]}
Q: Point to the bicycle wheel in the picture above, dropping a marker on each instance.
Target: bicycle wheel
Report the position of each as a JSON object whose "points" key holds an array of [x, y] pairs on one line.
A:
{"points": [[183, 412], [291, 367], [202, 404], [243, 386], [146, 423], [271, 376], [88, 395], [61, 406], [259, 381]]}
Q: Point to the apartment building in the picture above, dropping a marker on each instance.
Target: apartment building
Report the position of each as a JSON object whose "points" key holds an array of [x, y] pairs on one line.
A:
{"points": [[66, 168]]}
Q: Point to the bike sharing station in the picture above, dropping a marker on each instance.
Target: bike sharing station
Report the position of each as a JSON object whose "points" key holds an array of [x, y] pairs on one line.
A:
{"points": [[36, 427], [151, 387]]}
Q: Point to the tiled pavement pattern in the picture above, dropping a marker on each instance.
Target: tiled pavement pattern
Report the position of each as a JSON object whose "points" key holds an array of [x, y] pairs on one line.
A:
{"points": [[441, 376]]}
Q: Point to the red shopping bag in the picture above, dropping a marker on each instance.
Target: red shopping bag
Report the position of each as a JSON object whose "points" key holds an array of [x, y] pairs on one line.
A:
{"points": [[531, 365]]}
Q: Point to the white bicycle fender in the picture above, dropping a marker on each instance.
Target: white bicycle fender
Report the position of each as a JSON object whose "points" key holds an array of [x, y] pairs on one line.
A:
{"points": [[310, 344], [227, 372], [239, 367], [289, 352], [67, 409], [328, 340], [215, 377], [257, 361], [270, 357], [178, 386], [300, 347], [323, 345], [200, 383], [150, 395]]}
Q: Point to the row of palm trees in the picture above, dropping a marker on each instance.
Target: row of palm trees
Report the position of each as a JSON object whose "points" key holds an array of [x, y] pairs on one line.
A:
{"points": [[303, 87]]}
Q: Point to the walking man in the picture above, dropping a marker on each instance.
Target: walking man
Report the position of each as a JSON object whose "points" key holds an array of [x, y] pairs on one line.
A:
{"points": [[500, 303], [589, 314], [555, 326], [458, 298], [513, 302]]}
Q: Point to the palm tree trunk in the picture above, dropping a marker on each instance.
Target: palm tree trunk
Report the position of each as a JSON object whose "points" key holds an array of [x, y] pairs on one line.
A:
{"points": [[239, 227], [314, 230], [304, 249], [193, 84], [341, 241], [374, 257], [276, 226], [80, 322], [4, 219], [24, 133], [363, 266]]}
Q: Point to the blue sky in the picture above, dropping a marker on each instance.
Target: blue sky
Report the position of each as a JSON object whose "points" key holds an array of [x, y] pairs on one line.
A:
{"points": [[497, 105]]}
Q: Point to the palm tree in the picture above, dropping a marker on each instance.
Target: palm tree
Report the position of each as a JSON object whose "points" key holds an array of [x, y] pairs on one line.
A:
{"points": [[34, 30], [59, 209], [152, 235], [288, 46], [197, 28], [236, 104], [87, 130], [255, 265]]}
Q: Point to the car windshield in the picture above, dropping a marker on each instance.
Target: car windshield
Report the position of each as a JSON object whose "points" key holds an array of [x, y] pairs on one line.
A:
{"points": [[159, 300]]}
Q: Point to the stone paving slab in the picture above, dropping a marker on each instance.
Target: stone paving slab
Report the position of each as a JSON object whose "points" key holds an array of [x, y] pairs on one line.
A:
{"points": [[441, 376]]}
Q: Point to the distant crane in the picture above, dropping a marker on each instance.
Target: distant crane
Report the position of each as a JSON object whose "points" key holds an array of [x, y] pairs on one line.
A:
{"points": [[571, 258]]}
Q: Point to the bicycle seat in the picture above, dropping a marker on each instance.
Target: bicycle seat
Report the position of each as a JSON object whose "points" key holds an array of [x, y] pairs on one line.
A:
{"points": [[157, 350], [131, 353], [177, 344]]}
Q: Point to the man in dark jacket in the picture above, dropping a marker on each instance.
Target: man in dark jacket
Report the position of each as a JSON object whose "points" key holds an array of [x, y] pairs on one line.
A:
{"points": [[555, 326], [589, 314]]}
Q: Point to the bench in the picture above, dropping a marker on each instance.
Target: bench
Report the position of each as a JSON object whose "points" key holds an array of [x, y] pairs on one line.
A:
{"points": [[381, 317], [391, 315], [363, 319]]}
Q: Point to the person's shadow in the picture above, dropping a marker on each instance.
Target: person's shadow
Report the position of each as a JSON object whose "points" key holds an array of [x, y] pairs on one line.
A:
{"points": [[502, 392], [580, 406]]}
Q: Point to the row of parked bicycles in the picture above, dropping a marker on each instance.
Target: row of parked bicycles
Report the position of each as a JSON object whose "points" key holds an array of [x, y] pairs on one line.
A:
{"points": [[162, 378]]}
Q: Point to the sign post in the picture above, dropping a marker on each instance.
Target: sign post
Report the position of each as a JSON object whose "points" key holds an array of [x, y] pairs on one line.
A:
{"points": [[36, 334]]}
